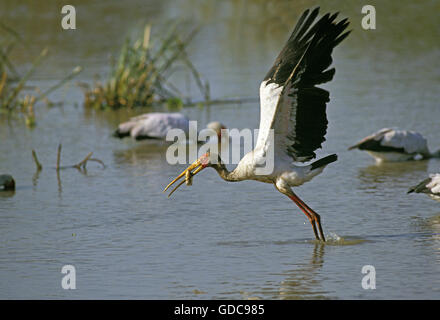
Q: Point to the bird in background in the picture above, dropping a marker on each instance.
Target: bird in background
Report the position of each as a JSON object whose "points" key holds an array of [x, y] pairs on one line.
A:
{"points": [[155, 125], [391, 145], [429, 186], [293, 119]]}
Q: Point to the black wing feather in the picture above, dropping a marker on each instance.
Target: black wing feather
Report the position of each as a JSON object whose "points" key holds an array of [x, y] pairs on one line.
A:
{"points": [[421, 187], [376, 146], [304, 61]]}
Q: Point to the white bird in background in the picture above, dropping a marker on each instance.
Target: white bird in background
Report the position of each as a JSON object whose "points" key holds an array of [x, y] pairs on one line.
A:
{"points": [[155, 125], [295, 108], [430, 186], [395, 145]]}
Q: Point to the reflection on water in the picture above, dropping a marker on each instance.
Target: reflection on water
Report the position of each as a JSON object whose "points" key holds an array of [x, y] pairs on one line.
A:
{"points": [[431, 227], [7, 193], [36, 176], [142, 152], [301, 282], [391, 172], [221, 239]]}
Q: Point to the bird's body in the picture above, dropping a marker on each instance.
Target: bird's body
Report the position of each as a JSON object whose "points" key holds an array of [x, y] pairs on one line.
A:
{"points": [[284, 170], [390, 145], [156, 125], [293, 119], [429, 186]]}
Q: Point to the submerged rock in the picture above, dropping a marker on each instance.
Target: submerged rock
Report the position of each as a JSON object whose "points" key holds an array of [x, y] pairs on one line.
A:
{"points": [[6, 182]]}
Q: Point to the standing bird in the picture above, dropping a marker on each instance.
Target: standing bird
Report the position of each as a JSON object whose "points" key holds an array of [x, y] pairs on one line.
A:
{"points": [[430, 186], [155, 125], [395, 145], [293, 119]]}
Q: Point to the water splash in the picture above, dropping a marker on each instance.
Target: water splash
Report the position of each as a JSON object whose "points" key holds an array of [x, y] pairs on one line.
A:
{"points": [[336, 240]]}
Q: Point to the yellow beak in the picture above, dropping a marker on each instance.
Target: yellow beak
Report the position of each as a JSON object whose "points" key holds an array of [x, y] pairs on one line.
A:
{"points": [[188, 173]]}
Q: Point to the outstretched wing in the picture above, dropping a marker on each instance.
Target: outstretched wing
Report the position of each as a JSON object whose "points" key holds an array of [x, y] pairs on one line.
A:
{"points": [[291, 103]]}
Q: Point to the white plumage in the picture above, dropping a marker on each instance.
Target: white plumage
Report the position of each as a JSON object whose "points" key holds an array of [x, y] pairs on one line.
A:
{"points": [[155, 125], [293, 119], [434, 184], [269, 96], [395, 145], [430, 186], [410, 141]]}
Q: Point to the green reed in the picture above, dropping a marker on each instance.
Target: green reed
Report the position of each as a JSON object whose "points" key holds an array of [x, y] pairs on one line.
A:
{"points": [[140, 75], [15, 96]]}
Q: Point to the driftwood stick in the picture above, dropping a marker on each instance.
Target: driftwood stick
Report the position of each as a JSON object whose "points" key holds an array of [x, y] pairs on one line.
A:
{"points": [[83, 163], [58, 157], [37, 163], [97, 160]]}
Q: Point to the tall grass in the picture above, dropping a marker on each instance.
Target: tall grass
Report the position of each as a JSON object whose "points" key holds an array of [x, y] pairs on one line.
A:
{"points": [[14, 91], [140, 76]]}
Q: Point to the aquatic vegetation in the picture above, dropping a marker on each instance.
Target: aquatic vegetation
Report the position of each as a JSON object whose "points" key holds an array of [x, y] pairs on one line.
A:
{"points": [[14, 90], [140, 76]]}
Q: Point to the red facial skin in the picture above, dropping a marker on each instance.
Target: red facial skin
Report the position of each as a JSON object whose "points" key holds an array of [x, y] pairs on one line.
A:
{"points": [[204, 160], [219, 135]]}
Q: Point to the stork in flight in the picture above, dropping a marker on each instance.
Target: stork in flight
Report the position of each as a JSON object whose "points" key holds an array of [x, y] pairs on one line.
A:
{"points": [[430, 186], [293, 109], [155, 125], [389, 145]]}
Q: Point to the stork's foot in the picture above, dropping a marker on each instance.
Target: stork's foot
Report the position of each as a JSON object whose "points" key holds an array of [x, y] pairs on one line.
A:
{"points": [[314, 218], [318, 221], [314, 228]]}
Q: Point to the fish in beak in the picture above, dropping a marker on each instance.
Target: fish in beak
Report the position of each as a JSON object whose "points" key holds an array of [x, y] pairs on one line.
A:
{"points": [[197, 166]]}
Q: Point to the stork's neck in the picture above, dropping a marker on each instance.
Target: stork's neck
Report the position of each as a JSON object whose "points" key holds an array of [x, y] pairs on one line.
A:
{"points": [[225, 174]]}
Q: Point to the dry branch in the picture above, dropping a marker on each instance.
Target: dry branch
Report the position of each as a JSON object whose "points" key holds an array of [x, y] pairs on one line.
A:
{"points": [[37, 163], [80, 165], [58, 157]]}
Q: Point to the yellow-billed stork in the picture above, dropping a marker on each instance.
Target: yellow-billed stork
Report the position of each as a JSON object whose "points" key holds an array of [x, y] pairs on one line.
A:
{"points": [[293, 111], [390, 145], [155, 125], [430, 186]]}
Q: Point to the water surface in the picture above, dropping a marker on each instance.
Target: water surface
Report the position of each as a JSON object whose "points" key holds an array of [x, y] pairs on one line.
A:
{"points": [[127, 240]]}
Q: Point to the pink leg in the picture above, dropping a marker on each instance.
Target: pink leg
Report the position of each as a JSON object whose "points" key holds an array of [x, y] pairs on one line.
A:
{"points": [[312, 215], [295, 199]]}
